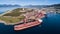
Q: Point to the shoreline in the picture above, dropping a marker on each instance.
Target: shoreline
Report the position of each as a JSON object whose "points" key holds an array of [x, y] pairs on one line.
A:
{"points": [[6, 23]]}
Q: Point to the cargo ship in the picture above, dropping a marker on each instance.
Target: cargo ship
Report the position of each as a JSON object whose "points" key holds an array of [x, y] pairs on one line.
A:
{"points": [[27, 24]]}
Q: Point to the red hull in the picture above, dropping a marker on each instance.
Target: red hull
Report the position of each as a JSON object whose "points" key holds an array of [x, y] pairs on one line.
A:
{"points": [[26, 25]]}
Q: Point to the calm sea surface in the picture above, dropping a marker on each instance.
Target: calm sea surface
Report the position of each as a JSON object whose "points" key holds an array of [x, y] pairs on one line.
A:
{"points": [[4, 9], [50, 25]]}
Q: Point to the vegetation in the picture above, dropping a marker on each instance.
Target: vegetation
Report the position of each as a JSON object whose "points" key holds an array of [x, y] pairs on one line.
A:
{"points": [[14, 16], [11, 19], [15, 12]]}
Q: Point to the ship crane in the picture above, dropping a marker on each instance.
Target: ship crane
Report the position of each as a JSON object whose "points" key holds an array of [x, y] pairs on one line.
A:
{"points": [[38, 15]]}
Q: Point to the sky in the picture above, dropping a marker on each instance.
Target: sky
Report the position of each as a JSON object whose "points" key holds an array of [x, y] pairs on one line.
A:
{"points": [[30, 2]]}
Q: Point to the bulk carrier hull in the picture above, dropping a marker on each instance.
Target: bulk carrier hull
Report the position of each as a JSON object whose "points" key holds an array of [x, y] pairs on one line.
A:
{"points": [[27, 25]]}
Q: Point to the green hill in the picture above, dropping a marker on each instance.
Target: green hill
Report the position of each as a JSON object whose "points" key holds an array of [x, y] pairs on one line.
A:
{"points": [[15, 12], [13, 16]]}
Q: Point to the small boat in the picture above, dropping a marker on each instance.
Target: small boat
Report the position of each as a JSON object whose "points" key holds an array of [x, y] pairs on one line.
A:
{"points": [[29, 23]]}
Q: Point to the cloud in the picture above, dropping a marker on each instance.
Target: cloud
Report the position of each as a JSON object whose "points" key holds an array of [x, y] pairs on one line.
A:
{"points": [[27, 2]]}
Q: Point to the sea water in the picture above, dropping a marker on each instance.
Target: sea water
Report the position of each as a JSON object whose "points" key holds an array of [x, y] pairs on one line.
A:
{"points": [[4, 9]]}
